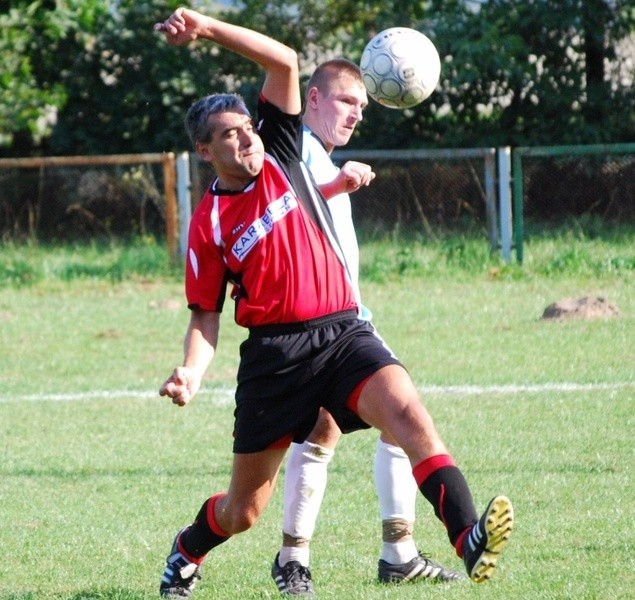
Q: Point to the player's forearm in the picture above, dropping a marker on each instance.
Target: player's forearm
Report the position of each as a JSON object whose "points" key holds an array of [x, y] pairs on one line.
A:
{"points": [[200, 341], [257, 47], [328, 190], [339, 185], [349, 179], [280, 62], [281, 86]]}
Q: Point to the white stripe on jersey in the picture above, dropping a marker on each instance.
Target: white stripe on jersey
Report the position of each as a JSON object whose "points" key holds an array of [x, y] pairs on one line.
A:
{"points": [[329, 234], [215, 218]]}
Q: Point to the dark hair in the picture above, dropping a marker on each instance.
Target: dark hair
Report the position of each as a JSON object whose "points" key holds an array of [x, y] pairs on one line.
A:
{"points": [[331, 69], [197, 122]]}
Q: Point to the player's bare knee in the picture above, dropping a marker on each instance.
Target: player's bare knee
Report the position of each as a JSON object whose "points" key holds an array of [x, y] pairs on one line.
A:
{"points": [[240, 518]]}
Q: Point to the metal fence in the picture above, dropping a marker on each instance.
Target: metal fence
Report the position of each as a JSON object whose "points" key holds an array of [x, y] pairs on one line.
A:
{"points": [[564, 183], [487, 190], [82, 197], [433, 192]]}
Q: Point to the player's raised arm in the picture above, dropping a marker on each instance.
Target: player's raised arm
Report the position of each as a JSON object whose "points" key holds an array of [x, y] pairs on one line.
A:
{"points": [[281, 86]]}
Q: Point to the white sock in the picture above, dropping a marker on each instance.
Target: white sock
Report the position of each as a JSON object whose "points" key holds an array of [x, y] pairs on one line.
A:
{"points": [[397, 492], [400, 553], [289, 553], [304, 485]]}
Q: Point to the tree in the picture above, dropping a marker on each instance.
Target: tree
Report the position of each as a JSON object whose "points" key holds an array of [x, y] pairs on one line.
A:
{"points": [[126, 91], [533, 72], [513, 72], [129, 91], [321, 29], [30, 36], [84, 76]]}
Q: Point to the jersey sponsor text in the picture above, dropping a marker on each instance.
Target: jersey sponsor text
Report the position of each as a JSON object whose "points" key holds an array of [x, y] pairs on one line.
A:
{"points": [[276, 211]]}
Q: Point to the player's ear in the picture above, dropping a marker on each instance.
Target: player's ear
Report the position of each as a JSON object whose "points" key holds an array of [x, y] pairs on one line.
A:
{"points": [[311, 97], [204, 151]]}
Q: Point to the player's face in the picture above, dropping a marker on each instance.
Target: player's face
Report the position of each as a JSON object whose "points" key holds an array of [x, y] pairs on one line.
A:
{"points": [[339, 110], [235, 150]]}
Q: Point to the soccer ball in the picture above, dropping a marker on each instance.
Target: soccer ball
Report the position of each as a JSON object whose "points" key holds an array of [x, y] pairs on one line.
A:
{"points": [[400, 67]]}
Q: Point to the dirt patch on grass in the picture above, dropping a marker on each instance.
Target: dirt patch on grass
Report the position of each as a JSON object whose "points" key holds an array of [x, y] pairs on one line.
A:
{"points": [[588, 307]]}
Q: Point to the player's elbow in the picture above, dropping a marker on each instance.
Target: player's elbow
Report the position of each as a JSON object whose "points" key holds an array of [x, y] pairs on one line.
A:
{"points": [[283, 60], [290, 59]]}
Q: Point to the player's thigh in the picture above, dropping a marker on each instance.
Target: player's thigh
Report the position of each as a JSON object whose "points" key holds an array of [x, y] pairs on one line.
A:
{"points": [[325, 432], [387, 392], [390, 402], [253, 480]]}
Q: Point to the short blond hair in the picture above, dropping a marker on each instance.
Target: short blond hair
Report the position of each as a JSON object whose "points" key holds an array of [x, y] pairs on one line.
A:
{"points": [[333, 69]]}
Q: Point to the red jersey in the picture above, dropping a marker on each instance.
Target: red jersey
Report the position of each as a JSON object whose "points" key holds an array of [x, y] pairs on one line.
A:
{"points": [[273, 240]]}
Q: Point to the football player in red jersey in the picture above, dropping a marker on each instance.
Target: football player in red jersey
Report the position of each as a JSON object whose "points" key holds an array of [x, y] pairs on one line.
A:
{"points": [[264, 226]]}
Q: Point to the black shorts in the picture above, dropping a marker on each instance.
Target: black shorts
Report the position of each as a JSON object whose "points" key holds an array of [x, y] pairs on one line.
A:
{"points": [[288, 371]]}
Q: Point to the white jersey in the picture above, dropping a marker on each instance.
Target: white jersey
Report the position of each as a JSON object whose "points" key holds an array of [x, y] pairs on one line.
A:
{"points": [[323, 171]]}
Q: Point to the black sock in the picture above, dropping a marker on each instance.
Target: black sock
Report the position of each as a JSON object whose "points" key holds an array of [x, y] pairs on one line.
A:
{"points": [[448, 492], [198, 539]]}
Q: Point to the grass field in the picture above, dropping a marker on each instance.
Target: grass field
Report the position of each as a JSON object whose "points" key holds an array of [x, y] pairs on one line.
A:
{"points": [[98, 472]]}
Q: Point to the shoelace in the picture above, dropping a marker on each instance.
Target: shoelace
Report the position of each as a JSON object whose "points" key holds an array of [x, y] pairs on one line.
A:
{"points": [[297, 574]]}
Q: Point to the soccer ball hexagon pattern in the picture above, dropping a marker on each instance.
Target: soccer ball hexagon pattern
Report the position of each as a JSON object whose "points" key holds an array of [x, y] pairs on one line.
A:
{"points": [[400, 67]]}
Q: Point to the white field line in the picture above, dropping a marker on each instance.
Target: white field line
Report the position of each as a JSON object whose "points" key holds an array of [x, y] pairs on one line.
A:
{"points": [[225, 396]]}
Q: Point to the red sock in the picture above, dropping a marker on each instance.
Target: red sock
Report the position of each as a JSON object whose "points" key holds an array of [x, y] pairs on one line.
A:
{"points": [[211, 517]]}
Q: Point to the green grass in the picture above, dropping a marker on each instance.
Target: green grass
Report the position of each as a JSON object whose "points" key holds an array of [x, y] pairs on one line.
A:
{"points": [[32, 263], [97, 472]]}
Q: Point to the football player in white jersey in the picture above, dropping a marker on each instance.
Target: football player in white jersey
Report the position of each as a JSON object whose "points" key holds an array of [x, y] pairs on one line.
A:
{"points": [[335, 99]]}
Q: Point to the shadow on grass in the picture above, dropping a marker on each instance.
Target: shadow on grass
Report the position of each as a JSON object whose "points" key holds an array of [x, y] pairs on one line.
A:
{"points": [[108, 594]]}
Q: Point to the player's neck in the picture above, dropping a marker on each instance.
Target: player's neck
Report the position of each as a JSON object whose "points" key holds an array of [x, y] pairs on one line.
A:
{"points": [[232, 184], [328, 147]]}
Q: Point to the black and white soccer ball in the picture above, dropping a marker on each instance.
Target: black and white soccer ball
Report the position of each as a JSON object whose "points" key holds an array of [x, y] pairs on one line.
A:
{"points": [[400, 67]]}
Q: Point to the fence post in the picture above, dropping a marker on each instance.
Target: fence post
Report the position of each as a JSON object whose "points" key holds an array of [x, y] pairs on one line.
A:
{"points": [[490, 200], [519, 227], [184, 194], [171, 216], [505, 202]]}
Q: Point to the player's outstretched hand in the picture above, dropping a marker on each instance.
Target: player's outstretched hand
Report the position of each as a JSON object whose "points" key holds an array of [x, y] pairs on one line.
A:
{"points": [[181, 386], [182, 26]]}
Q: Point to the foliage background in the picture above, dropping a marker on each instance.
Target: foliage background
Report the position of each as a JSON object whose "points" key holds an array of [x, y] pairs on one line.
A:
{"points": [[90, 77]]}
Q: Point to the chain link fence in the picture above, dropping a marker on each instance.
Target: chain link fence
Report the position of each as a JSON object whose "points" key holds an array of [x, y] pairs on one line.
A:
{"points": [[558, 184], [87, 197], [432, 192], [565, 186]]}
